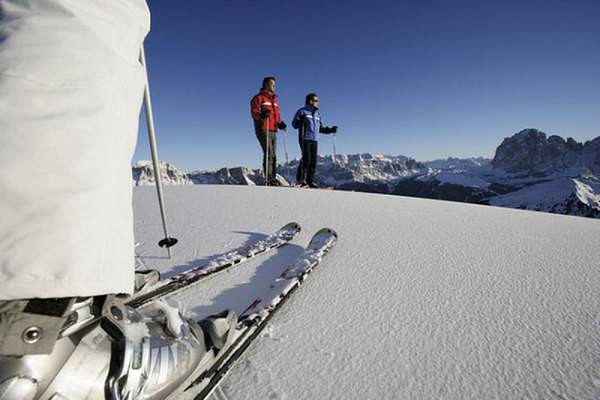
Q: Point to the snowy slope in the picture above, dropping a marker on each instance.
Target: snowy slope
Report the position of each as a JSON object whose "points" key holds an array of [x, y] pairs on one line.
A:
{"points": [[562, 195], [463, 178], [420, 299]]}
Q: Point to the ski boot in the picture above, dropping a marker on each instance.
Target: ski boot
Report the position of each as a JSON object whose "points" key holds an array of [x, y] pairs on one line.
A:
{"points": [[153, 365], [126, 354]]}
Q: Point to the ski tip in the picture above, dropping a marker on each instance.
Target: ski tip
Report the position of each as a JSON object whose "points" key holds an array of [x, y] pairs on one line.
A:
{"points": [[327, 230], [292, 225]]}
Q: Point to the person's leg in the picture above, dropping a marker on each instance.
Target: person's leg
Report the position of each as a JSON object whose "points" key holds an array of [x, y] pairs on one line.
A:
{"points": [[261, 137], [71, 89], [306, 160], [273, 156], [268, 156], [312, 165], [299, 173]]}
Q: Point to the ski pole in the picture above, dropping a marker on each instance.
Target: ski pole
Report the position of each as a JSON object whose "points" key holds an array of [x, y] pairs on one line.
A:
{"points": [[287, 160], [168, 241], [334, 159]]}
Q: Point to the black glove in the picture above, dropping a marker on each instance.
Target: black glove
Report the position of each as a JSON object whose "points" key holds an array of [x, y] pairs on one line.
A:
{"points": [[326, 130], [282, 126], [297, 123], [264, 114]]}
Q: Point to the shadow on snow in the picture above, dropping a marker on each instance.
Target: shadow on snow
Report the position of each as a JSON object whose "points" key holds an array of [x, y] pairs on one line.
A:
{"points": [[253, 237]]}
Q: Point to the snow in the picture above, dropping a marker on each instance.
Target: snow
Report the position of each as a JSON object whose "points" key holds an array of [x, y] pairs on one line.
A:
{"points": [[541, 195], [462, 178], [420, 299], [546, 195], [457, 164], [587, 194]]}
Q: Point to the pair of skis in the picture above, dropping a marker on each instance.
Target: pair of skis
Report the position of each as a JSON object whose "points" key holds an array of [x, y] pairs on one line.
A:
{"points": [[255, 317]]}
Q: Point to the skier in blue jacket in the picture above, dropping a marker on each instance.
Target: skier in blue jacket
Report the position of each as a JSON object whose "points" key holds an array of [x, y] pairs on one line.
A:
{"points": [[309, 123]]}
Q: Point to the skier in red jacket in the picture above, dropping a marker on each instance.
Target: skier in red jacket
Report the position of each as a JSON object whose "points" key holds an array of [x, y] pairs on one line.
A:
{"points": [[264, 108]]}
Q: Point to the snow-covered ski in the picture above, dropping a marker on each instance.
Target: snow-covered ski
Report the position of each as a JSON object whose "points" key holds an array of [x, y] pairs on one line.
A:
{"points": [[186, 279], [254, 318]]}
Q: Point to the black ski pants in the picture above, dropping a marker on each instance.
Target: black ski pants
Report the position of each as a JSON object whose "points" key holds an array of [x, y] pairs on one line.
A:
{"points": [[308, 163], [269, 160]]}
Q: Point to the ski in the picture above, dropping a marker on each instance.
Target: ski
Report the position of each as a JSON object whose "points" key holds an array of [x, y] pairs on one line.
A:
{"points": [[186, 279], [255, 317]]}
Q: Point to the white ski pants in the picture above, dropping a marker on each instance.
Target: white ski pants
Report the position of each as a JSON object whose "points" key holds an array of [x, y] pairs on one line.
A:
{"points": [[71, 88]]}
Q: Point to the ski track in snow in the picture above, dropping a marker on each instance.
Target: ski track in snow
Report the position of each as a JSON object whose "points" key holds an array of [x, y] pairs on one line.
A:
{"points": [[420, 298]]}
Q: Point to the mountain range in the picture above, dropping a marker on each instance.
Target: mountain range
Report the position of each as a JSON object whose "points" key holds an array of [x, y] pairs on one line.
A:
{"points": [[530, 170]]}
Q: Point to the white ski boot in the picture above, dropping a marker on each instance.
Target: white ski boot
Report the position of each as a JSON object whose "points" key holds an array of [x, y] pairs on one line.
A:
{"points": [[128, 354]]}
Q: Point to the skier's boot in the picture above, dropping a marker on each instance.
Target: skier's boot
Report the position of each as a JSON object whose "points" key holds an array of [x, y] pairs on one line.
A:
{"points": [[126, 354], [313, 185], [37, 337], [154, 352]]}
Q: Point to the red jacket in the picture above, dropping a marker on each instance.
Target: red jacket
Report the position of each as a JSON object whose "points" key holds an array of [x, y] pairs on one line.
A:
{"points": [[265, 100]]}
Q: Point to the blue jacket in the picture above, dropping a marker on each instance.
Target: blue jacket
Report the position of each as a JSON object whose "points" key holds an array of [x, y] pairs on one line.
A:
{"points": [[309, 119]]}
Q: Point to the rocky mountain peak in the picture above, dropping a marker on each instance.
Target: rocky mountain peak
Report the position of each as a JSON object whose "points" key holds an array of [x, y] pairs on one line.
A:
{"points": [[143, 174], [532, 152]]}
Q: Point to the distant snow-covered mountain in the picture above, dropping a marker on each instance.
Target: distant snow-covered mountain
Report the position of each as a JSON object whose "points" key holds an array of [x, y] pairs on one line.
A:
{"points": [[563, 195], [347, 172], [529, 171], [361, 172], [457, 164], [143, 174]]}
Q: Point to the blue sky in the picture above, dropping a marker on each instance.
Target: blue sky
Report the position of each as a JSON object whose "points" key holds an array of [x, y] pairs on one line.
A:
{"points": [[427, 79]]}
